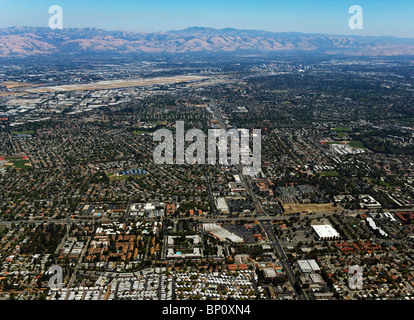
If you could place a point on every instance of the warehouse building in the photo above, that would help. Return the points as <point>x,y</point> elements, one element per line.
<point>307,266</point>
<point>225,235</point>
<point>326,232</point>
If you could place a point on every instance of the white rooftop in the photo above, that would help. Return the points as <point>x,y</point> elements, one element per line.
<point>325,231</point>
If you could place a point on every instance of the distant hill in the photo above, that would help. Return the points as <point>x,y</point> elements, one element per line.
<point>29,41</point>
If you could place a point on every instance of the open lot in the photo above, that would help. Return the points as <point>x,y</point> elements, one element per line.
<point>312,207</point>
<point>15,84</point>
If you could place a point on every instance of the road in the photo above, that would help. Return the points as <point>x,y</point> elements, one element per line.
<point>266,225</point>
<point>245,180</point>
<point>210,192</point>
<point>73,277</point>
<point>268,229</point>
<point>265,217</point>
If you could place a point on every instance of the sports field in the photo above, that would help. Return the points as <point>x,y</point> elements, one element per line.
<point>18,162</point>
<point>356,144</point>
<point>342,129</point>
<point>113,177</point>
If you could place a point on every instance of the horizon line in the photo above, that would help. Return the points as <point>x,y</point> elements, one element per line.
<point>212,28</point>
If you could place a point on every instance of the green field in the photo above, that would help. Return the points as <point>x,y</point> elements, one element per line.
<point>329,174</point>
<point>17,162</point>
<point>138,132</point>
<point>113,177</point>
<point>342,129</point>
<point>158,123</point>
<point>29,132</point>
<point>356,144</point>
<point>342,134</point>
<point>20,164</point>
<point>381,182</point>
<point>150,130</point>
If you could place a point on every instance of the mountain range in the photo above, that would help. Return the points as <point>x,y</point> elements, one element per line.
<point>29,41</point>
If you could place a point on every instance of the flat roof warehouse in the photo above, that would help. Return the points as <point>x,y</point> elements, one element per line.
<point>326,231</point>
<point>224,234</point>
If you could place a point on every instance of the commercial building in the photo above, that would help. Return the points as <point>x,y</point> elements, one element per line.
<point>222,205</point>
<point>307,266</point>
<point>225,235</point>
<point>326,232</point>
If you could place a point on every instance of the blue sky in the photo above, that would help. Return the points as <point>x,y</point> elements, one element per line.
<point>314,16</point>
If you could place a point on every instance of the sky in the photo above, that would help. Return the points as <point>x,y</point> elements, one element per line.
<point>380,17</point>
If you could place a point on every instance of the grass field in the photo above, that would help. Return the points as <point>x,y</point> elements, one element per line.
<point>138,132</point>
<point>342,134</point>
<point>329,174</point>
<point>17,162</point>
<point>311,207</point>
<point>113,177</point>
<point>158,123</point>
<point>342,129</point>
<point>381,183</point>
<point>356,144</point>
<point>21,164</point>
<point>29,132</point>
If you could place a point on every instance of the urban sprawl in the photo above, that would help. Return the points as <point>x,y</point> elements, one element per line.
<point>80,188</point>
